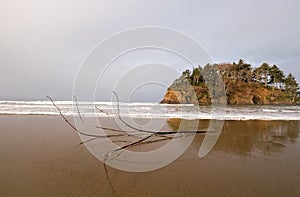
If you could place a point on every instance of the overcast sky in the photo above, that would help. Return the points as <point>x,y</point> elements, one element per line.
<point>42,43</point>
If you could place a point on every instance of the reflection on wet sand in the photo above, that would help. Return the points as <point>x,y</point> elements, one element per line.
<point>41,156</point>
<point>250,137</point>
<point>257,137</point>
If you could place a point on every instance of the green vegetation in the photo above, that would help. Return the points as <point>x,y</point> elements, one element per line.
<point>244,84</point>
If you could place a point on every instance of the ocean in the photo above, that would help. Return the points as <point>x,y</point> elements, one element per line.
<point>152,110</point>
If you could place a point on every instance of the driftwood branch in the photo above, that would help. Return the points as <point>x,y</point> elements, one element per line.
<point>164,135</point>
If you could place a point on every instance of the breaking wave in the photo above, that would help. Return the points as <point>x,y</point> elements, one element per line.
<point>152,110</point>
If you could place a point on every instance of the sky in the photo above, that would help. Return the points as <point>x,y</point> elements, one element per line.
<point>43,43</point>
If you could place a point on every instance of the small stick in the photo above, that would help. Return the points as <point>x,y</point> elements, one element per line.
<point>107,155</point>
<point>101,110</point>
<point>95,126</point>
<point>75,129</point>
<point>149,131</point>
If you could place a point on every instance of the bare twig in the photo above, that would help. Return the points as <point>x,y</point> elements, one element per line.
<point>75,129</point>
<point>114,141</point>
<point>95,126</point>
<point>109,154</point>
<point>109,181</point>
<point>149,131</point>
<point>101,110</point>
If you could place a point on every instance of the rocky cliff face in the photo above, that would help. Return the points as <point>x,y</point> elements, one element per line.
<point>237,94</point>
<point>195,96</point>
<point>255,94</point>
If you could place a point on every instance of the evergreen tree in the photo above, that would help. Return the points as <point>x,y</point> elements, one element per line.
<point>186,77</point>
<point>244,71</point>
<point>195,76</point>
<point>291,86</point>
<point>277,77</point>
<point>264,71</point>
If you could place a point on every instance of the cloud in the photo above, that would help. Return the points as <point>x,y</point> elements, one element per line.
<point>43,43</point>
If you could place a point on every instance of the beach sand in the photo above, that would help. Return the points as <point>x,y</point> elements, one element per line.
<point>41,156</point>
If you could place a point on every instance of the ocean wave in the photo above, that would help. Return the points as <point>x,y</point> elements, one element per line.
<point>152,110</point>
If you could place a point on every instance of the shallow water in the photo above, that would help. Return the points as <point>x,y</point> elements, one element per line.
<point>41,155</point>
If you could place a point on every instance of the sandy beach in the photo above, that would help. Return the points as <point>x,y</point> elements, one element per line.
<point>41,156</point>
<point>149,98</point>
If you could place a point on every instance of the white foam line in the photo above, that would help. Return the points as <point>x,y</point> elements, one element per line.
<point>191,117</point>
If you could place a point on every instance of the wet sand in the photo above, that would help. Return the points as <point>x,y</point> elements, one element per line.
<point>41,156</point>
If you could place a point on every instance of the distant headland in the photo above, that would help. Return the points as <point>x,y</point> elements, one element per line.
<point>244,85</point>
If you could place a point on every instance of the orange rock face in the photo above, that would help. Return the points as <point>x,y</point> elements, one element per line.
<point>237,94</point>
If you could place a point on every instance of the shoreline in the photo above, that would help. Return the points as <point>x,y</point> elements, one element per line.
<point>205,119</point>
<point>143,118</point>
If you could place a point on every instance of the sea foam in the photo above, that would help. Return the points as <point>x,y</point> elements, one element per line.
<point>151,110</point>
